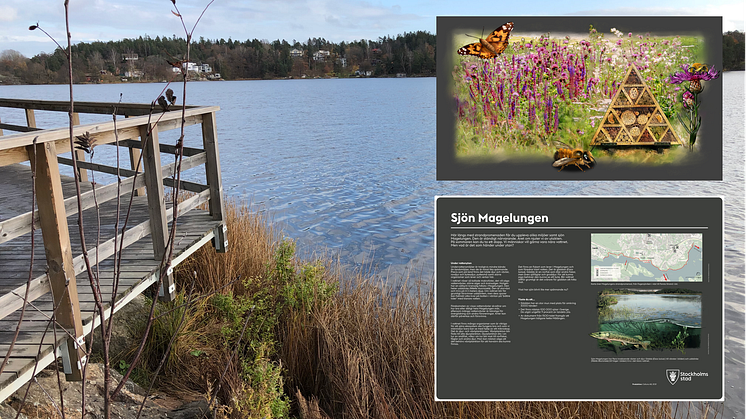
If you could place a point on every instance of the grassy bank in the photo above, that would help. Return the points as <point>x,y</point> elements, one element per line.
<point>272,336</point>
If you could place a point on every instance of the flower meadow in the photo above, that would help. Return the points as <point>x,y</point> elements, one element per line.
<point>542,90</point>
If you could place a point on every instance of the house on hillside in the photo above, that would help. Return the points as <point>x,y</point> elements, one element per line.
<point>296,53</point>
<point>190,66</point>
<point>321,55</point>
<point>194,68</point>
<point>133,73</point>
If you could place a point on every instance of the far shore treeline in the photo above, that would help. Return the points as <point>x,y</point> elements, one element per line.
<point>152,59</point>
<point>157,59</point>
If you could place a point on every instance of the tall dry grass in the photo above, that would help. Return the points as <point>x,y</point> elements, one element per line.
<point>366,351</point>
<point>252,242</point>
<point>370,354</point>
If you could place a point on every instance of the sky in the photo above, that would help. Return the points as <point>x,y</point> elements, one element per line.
<point>333,20</point>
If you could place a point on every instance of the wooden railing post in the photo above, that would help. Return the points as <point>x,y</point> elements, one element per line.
<point>214,181</point>
<point>53,222</point>
<point>80,154</point>
<point>156,202</point>
<point>134,159</point>
<point>30,118</point>
<point>1,131</point>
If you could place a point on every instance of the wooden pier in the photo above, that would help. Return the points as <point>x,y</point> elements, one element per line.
<point>55,283</point>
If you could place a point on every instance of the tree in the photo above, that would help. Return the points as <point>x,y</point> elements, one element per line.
<point>733,50</point>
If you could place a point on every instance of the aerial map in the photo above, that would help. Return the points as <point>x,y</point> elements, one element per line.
<point>649,257</point>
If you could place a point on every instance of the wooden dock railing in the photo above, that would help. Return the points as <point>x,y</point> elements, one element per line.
<point>63,254</point>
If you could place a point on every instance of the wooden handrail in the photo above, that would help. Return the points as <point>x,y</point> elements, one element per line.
<point>106,108</point>
<point>165,148</point>
<point>103,133</point>
<point>21,224</point>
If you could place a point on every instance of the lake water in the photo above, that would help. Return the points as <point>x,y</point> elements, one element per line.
<point>684,310</point>
<point>349,165</point>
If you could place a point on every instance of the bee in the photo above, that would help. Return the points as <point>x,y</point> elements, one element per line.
<point>566,156</point>
<point>698,68</point>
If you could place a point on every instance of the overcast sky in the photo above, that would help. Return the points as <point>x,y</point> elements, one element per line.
<point>334,20</point>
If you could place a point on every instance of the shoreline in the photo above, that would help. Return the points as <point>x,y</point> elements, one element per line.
<point>238,79</point>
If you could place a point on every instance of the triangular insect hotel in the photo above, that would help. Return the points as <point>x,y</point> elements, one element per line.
<point>634,117</point>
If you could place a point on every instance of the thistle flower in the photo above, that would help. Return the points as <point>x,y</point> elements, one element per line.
<point>688,99</point>
<point>694,74</point>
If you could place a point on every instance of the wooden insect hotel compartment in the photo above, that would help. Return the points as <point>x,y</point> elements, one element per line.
<point>634,118</point>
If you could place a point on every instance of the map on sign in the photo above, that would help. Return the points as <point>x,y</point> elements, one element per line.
<point>646,257</point>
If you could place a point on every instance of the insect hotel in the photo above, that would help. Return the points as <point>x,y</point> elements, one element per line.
<point>47,297</point>
<point>634,119</point>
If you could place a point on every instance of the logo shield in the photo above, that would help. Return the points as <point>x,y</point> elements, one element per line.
<point>672,376</point>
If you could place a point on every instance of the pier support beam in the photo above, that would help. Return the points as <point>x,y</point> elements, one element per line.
<point>156,202</point>
<point>214,181</point>
<point>61,271</point>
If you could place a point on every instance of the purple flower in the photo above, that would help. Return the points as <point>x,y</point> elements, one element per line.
<point>694,74</point>
<point>688,99</point>
<point>695,71</point>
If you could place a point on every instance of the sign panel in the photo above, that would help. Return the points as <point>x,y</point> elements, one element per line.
<point>579,298</point>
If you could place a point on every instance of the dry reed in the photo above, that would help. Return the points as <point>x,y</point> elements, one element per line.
<point>252,241</point>
<point>365,352</point>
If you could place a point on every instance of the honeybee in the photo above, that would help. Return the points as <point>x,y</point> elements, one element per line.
<point>566,156</point>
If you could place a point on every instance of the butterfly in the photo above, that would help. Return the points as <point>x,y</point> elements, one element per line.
<point>491,47</point>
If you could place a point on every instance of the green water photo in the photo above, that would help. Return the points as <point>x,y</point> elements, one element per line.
<point>648,321</point>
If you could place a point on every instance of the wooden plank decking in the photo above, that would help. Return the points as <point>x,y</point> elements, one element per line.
<point>36,280</point>
<point>139,268</point>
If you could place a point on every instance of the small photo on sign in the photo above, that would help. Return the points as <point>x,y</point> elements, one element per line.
<point>581,98</point>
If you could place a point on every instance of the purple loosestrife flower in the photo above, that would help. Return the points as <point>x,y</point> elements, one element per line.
<point>556,119</point>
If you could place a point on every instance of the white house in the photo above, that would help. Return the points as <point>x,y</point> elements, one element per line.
<point>190,66</point>
<point>295,52</point>
<point>320,55</point>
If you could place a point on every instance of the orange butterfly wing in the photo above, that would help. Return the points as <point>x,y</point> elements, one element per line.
<point>476,49</point>
<point>495,43</point>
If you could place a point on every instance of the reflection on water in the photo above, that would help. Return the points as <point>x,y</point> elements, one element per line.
<point>683,309</point>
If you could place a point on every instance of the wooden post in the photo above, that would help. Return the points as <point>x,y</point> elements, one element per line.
<point>80,154</point>
<point>53,222</point>
<point>214,181</point>
<point>134,158</point>
<point>1,131</point>
<point>156,202</point>
<point>30,118</point>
